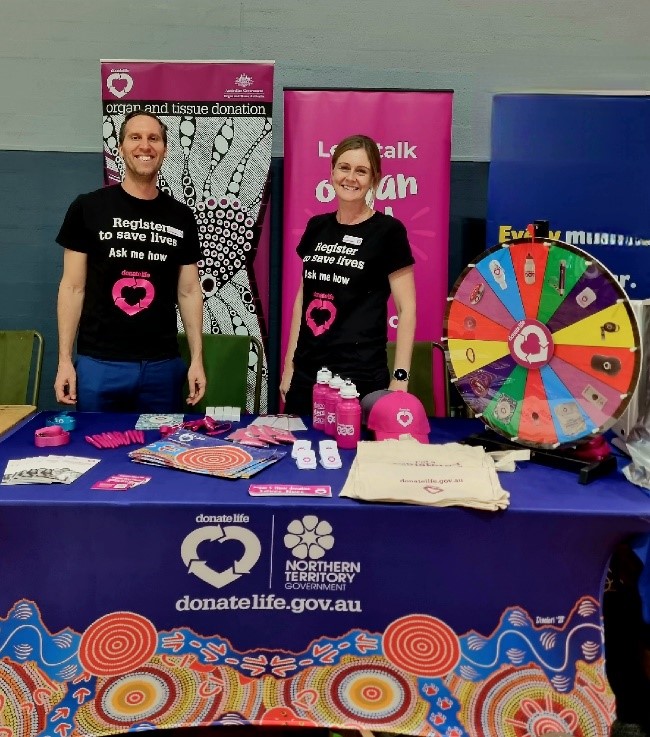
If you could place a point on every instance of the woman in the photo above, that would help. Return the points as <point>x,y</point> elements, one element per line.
<point>353,259</point>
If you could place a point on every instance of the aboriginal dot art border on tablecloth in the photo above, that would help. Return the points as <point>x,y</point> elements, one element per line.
<point>416,677</point>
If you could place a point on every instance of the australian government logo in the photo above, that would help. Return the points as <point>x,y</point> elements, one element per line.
<point>311,541</point>
<point>244,81</point>
<point>244,87</point>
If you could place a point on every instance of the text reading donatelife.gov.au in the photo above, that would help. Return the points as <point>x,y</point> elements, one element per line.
<point>267,602</point>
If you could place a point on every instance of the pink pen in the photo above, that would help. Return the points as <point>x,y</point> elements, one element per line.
<point>100,441</point>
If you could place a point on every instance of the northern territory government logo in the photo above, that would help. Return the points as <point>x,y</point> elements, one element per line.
<point>309,541</point>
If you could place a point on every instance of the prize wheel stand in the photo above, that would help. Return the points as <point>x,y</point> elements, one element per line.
<point>543,346</point>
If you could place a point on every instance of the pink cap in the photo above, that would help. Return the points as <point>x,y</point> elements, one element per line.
<point>398,413</point>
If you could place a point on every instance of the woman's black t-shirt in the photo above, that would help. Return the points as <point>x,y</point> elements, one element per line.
<point>345,292</point>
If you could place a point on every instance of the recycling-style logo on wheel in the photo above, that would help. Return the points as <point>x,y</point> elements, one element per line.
<point>531,344</point>
<point>217,533</point>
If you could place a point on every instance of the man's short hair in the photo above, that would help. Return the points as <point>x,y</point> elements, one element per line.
<point>134,114</point>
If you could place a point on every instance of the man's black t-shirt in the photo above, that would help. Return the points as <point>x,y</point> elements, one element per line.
<point>135,249</point>
<point>345,291</point>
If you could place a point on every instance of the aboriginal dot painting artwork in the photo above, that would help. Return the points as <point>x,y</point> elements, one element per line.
<point>542,343</point>
<point>417,676</point>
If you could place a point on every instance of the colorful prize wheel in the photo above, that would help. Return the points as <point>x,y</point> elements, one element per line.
<point>542,342</point>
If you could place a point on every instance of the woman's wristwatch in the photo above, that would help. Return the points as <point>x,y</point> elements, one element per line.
<point>400,374</point>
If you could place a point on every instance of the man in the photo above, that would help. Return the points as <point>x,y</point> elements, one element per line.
<point>130,256</point>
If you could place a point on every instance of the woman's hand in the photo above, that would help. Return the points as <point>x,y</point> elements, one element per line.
<point>285,382</point>
<point>296,318</point>
<point>398,386</point>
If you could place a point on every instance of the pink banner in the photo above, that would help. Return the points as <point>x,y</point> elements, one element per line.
<point>218,118</point>
<point>413,130</point>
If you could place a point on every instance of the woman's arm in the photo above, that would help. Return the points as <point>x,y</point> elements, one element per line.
<point>402,288</point>
<point>296,317</point>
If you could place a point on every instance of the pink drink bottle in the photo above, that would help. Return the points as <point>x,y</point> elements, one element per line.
<point>348,417</point>
<point>331,400</point>
<point>320,392</point>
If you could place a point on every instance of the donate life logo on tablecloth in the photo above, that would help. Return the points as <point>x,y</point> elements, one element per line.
<point>252,550</point>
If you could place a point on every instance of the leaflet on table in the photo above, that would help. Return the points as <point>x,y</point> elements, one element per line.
<point>261,436</point>
<point>51,469</point>
<point>120,482</point>
<point>283,422</point>
<point>288,490</point>
<point>190,451</point>
<point>154,422</point>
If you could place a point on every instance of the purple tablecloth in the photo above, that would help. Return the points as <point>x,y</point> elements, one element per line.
<point>187,601</point>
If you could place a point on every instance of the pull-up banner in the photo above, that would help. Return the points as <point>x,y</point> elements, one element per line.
<point>580,161</point>
<point>218,116</point>
<point>413,131</point>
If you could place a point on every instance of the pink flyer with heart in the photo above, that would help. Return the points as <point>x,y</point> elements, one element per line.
<point>288,490</point>
<point>120,482</point>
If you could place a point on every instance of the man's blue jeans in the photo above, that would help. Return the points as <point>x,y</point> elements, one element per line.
<point>130,386</point>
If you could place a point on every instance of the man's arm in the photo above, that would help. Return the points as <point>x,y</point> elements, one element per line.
<point>190,304</point>
<point>70,301</point>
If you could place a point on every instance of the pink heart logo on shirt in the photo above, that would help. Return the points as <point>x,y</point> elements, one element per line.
<point>133,295</point>
<point>320,315</point>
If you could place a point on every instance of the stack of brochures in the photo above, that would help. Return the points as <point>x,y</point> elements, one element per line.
<point>46,470</point>
<point>190,451</point>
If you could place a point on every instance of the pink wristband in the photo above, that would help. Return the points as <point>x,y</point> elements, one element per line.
<point>50,436</point>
